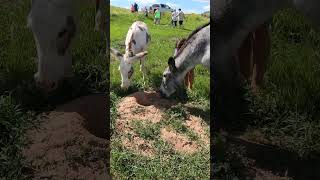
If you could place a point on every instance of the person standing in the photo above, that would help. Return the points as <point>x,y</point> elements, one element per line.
<point>180,17</point>
<point>174,18</point>
<point>136,7</point>
<point>157,16</point>
<point>146,11</point>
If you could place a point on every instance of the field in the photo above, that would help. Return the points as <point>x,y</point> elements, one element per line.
<point>143,150</point>
<point>286,113</point>
<point>20,100</point>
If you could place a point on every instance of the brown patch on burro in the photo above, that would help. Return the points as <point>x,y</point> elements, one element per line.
<point>63,148</point>
<point>149,107</point>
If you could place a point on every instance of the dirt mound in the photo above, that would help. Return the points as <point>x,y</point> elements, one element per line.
<point>149,107</point>
<point>69,143</point>
<point>143,106</point>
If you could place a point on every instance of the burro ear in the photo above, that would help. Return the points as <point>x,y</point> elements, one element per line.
<point>116,53</point>
<point>172,64</point>
<point>137,56</point>
<point>141,54</point>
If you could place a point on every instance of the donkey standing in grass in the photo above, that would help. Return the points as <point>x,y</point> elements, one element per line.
<point>54,24</point>
<point>233,21</point>
<point>137,41</point>
<point>195,50</point>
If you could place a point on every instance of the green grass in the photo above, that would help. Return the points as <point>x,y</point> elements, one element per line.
<point>13,122</point>
<point>166,163</point>
<point>230,161</point>
<point>161,48</point>
<point>146,131</point>
<point>19,96</point>
<point>289,110</point>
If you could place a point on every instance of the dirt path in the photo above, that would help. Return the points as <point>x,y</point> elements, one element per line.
<point>70,142</point>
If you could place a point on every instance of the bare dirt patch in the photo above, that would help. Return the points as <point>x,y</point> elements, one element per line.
<point>149,107</point>
<point>70,142</point>
<point>145,106</point>
<point>138,144</point>
<point>196,125</point>
<point>179,142</point>
<point>267,175</point>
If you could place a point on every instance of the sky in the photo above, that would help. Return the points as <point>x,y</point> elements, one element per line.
<point>187,6</point>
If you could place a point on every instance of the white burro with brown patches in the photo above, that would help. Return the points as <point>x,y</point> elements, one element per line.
<point>136,43</point>
<point>53,23</point>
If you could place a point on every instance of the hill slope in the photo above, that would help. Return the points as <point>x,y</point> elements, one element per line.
<point>147,140</point>
<point>163,38</point>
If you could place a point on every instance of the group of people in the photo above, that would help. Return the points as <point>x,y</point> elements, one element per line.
<point>134,7</point>
<point>177,17</point>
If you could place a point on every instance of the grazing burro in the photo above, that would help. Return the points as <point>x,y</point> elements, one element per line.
<point>54,25</point>
<point>137,41</point>
<point>195,50</point>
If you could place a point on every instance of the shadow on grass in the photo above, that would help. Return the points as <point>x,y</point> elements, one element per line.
<point>85,81</point>
<point>279,161</point>
<point>93,109</point>
<point>270,157</point>
<point>32,98</point>
<point>204,114</point>
<point>241,116</point>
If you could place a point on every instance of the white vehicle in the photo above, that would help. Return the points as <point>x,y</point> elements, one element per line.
<point>162,7</point>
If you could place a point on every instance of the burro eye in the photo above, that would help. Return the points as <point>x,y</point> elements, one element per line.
<point>130,72</point>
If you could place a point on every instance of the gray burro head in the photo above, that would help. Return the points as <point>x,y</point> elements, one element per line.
<point>170,81</point>
<point>194,50</point>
